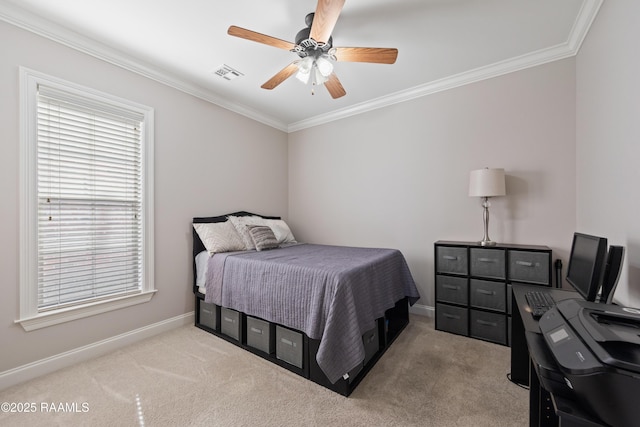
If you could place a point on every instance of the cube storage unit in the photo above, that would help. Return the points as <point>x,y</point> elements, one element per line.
<point>292,349</point>
<point>473,285</point>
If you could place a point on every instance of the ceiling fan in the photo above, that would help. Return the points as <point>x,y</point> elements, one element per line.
<point>314,46</point>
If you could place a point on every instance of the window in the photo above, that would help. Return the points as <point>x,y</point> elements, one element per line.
<point>87,209</point>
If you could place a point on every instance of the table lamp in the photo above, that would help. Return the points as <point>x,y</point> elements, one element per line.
<point>486,183</point>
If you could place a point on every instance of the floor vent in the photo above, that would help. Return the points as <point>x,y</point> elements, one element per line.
<point>227,72</point>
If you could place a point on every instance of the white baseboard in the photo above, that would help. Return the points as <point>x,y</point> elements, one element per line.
<point>423,310</point>
<point>50,364</point>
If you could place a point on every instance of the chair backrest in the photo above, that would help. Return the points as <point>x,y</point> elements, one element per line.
<point>612,273</point>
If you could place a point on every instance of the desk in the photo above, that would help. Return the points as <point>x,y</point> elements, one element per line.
<point>531,361</point>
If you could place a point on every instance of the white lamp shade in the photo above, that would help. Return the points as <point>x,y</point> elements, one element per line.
<point>487,183</point>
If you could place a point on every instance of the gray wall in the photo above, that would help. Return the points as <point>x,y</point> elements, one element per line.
<point>208,161</point>
<point>398,176</point>
<point>608,136</point>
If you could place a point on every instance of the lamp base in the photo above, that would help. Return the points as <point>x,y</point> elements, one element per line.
<point>485,217</point>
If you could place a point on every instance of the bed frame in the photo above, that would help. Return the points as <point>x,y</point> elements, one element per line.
<point>388,329</point>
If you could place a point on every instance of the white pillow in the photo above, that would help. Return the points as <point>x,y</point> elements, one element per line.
<point>219,237</point>
<point>241,223</point>
<point>202,265</point>
<point>281,230</point>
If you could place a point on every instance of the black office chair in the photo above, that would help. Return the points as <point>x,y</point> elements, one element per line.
<point>612,273</point>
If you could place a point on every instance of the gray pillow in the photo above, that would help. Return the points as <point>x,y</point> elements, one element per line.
<point>263,237</point>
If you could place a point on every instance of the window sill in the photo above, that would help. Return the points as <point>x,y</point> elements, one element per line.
<point>56,317</point>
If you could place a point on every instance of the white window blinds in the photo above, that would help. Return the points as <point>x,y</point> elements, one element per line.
<point>89,190</point>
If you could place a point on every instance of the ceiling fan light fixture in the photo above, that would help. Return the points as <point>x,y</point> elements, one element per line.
<point>303,77</point>
<point>324,66</point>
<point>319,68</point>
<point>318,77</point>
<point>305,67</point>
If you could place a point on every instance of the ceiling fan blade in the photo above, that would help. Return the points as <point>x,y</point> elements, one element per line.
<point>280,76</point>
<point>326,15</point>
<point>243,33</point>
<point>334,86</point>
<point>378,55</point>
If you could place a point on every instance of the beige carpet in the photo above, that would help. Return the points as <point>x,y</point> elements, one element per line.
<point>188,377</point>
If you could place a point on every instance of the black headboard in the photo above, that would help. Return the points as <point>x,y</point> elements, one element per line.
<point>198,246</point>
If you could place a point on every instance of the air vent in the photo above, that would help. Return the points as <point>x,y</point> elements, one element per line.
<point>227,72</point>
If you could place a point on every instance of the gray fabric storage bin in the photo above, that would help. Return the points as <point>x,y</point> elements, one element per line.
<point>289,346</point>
<point>452,289</point>
<point>230,323</point>
<point>488,263</point>
<point>259,335</point>
<point>208,315</point>
<point>530,267</point>
<point>489,295</point>
<point>451,260</point>
<point>371,341</point>
<point>452,319</point>
<point>488,326</point>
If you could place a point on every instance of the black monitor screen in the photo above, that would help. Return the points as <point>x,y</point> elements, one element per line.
<point>587,264</point>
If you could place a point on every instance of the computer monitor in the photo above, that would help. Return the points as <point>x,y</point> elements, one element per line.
<point>587,264</point>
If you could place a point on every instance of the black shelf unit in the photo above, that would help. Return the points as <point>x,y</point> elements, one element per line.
<point>473,285</point>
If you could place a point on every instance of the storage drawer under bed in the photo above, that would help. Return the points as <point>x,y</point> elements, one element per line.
<point>208,315</point>
<point>289,346</point>
<point>260,334</point>
<point>371,343</point>
<point>231,323</point>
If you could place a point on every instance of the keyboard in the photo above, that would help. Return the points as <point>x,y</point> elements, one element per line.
<point>540,302</point>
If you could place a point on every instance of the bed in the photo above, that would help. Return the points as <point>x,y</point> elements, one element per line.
<point>324,312</point>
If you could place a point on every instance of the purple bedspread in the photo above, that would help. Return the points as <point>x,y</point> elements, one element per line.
<point>331,293</point>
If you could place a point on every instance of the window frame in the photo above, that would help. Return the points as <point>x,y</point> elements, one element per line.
<point>29,317</point>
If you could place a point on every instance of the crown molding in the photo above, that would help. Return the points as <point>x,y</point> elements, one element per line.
<point>42,27</point>
<point>580,28</point>
<point>482,73</point>
<point>585,18</point>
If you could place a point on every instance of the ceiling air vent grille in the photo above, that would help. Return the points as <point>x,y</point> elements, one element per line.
<point>227,72</point>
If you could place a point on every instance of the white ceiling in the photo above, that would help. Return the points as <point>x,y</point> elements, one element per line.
<point>441,43</point>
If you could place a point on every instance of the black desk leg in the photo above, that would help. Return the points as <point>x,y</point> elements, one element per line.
<point>519,351</point>
<point>541,411</point>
